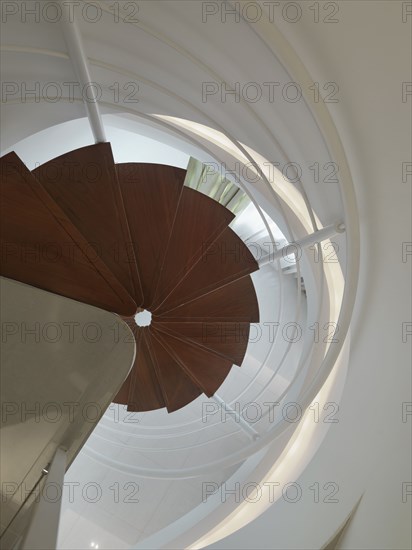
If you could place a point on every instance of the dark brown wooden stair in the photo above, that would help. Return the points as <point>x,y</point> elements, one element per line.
<point>234,302</point>
<point>160,246</point>
<point>205,369</point>
<point>84,184</point>
<point>151,194</point>
<point>145,392</point>
<point>225,260</point>
<point>199,221</point>
<point>177,387</point>
<point>41,246</point>
<point>229,340</point>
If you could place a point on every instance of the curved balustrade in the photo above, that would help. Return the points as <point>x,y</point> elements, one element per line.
<point>275,386</point>
<point>203,438</point>
<point>283,363</point>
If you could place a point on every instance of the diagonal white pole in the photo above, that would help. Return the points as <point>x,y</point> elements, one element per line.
<point>309,240</point>
<point>80,64</point>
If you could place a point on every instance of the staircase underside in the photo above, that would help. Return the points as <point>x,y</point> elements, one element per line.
<point>128,237</point>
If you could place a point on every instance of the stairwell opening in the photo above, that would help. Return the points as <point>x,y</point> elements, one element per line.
<point>143,318</point>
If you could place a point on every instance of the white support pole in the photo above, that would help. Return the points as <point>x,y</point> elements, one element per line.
<point>44,524</point>
<point>236,417</point>
<point>79,60</point>
<point>311,239</point>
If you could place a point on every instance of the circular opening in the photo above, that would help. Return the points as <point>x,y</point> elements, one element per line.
<point>143,318</point>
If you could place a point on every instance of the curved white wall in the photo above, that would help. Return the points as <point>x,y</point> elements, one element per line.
<point>171,52</point>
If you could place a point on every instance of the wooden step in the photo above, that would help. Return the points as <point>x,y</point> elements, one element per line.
<point>151,194</point>
<point>225,260</point>
<point>177,388</point>
<point>122,395</point>
<point>234,302</point>
<point>205,369</point>
<point>200,220</point>
<point>43,248</point>
<point>84,184</point>
<point>228,340</point>
<point>145,392</point>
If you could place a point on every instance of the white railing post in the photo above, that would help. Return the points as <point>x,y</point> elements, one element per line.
<point>80,64</point>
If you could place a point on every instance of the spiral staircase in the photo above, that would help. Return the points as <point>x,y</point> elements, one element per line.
<point>280,153</point>
<point>132,237</point>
